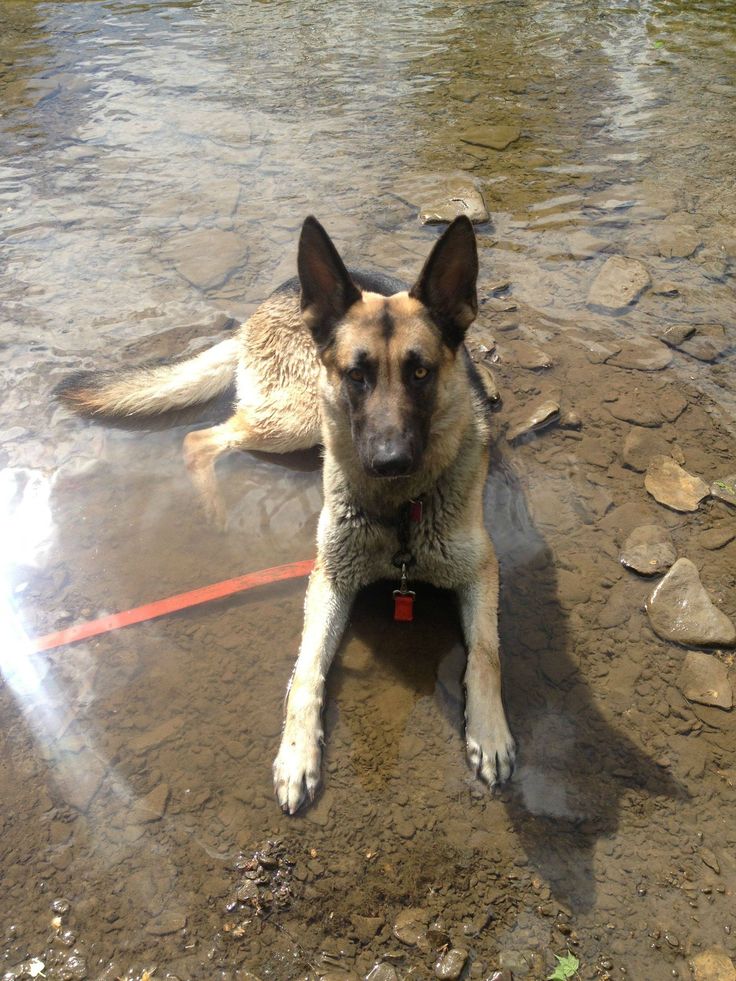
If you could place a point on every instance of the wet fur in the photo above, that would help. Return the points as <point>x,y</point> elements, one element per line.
<point>291,364</point>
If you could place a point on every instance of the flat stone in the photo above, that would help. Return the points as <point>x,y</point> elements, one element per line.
<point>707,343</point>
<point>704,679</point>
<point>680,609</point>
<point>449,965</point>
<point>410,926</point>
<point>152,807</point>
<point>526,355</point>
<point>675,241</point>
<point>649,410</point>
<point>725,489</point>
<point>644,356</point>
<point>366,927</point>
<point>207,257</point>
<point>666,288</point>
<point>675,334</point>
<point>672,486</point>
<point>542,415</point>
<point>619,283</point>
<point>713,964</point>
<point>648,550</point>
<point>382,972</point>
<point>642,445</point>
<point>453,199</point>
<point>715,538</point>
<point>493,137</point>
<point>78,776</point>
<point>166,923</point>
<point>154,737</point>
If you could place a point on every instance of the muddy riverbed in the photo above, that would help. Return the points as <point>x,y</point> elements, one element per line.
<point>157,162</point>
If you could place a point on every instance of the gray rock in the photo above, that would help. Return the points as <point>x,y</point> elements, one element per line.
<point>642,356</point>
<point>453,199</point>
<point>166,923</point>
<point>672,486</point>
<point>648,550</point>
<point>675,334</point>
<point>680,609</point>
<point>715,538</point>
<point>707,343</point>
<point>704,679</point>
<point>382,972</point>
<point>410,926</point>
<point>619,283</point>
<point>642,445</point>
<point>713,964</point>
<point>449,965</point>
<point>493,137</point>
<point>725,489</point>
<point>542,415</point>
<point>526,355</point>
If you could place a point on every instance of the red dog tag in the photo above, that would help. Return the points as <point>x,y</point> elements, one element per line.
<point>416,510</point>
<point>403,606</point>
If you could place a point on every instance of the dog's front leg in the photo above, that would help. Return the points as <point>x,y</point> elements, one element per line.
<point>489,743</point>
<point>296,770</point>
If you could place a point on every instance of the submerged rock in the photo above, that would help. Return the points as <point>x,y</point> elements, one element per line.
<point>681,610</point>
<point>526,355</point>
<point>455,198</point>
<point>493,137</point>
<point>674,487</point>
<point>648,410</point>
<point>648,550</point>
<point>725,489</point>
<point>542,415</point>
<point>410,926</point>
<point>675,334</point>
<point>715,538</point>
<point>713,964</point>
<point>646,356</point>
<point>707,342</point>
<point>642,445</point>
<point>450,964</point>
<point>704,679</point>
<point>620,283</point>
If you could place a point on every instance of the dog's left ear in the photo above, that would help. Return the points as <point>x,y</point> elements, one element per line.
<point>327,289</point>
<point>446,284</point>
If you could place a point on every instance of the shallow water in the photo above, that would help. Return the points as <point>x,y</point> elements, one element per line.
<point>157,161</point>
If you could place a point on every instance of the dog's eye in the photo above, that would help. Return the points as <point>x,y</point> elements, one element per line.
<point>420,373</point>
<point>356,375</point>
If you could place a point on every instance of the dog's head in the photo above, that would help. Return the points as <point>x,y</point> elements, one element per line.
<point>390,359</point>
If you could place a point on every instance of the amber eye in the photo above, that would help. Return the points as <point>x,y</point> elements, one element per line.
<point>420,373</point>
<point>356,375</point>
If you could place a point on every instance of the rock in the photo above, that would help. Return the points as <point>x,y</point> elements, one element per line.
<point>704,679</point>
<point>366,927</point>
<point>207,257</point>
<point>725,489</point>
<point>247,893</point>
<point>648,550</point>
<point>570,420</point>
<point>493,137</point>
<point>453,199</point>
<point>675,241</point>
<point>410,926</point>
<point>78,777</point>
<point>154,737</point>
<point>672,486</point>
<point>666,288</point>
<point>619,283</point>
<point>713,964</point>
<point>504,975</point>
<point>450,964</point>
<point>382,972</point>
<point>542,415</point>
<point>153,806</point>
<point>707,343</point>
<point>648,356</point>
<point>715,538</point>
<point>709,858</point>
<point>675,334</point>
<point>169,922</point>
<point>525,355</point>
<point>681,610</point>
<point>641,445</point>
<point>648,410</point>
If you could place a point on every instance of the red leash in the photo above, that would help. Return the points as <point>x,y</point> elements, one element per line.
<point>159,608</point>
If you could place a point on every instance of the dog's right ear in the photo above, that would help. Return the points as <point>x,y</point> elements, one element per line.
<point>327,289</point>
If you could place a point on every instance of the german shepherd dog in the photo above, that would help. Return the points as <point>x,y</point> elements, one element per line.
<point>380,376</point>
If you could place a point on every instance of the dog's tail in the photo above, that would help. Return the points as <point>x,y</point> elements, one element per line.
<point>151,390</point>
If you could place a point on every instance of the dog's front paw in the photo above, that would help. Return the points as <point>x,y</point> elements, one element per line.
<point>491,750</point>
<point>296,772</point>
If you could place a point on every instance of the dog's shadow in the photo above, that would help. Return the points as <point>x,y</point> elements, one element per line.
<point>573,766</point>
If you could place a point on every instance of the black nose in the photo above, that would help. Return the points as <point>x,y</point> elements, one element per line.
<point>391,460</point>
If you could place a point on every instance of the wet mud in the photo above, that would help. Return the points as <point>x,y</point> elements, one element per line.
<point>157,163</point>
